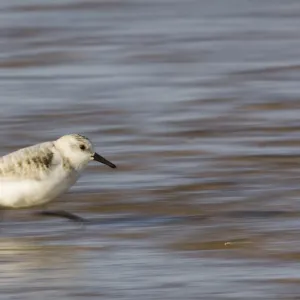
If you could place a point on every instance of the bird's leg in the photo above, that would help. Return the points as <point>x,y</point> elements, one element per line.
<point>1,214</point>
<point>62,214</point>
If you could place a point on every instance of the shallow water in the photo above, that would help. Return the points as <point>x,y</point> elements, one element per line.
<point>197,102</point>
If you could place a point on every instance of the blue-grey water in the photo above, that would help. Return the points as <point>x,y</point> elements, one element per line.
<point>198,103</point>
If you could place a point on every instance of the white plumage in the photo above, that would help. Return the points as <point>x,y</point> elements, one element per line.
<point>38,174</point>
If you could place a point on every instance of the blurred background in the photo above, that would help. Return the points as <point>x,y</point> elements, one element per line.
<point>197,102</point>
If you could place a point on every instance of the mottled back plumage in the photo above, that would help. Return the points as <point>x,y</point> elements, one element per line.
<point>30,163</point>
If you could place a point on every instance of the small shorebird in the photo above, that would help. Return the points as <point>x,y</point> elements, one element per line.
<point>35,175</point>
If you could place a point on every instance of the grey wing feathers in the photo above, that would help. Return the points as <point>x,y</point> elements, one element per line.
<point>28,163</point>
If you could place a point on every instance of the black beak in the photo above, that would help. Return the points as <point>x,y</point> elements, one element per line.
<point>101,159</point>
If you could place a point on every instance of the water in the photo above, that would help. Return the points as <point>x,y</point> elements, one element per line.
<point>197,102</point>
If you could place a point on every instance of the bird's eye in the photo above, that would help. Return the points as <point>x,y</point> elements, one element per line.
<point>82,147</point>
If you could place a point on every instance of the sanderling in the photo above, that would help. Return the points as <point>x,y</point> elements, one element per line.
<point>35,175</point>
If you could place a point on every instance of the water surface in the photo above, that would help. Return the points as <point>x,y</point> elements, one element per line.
<point>197,102</point>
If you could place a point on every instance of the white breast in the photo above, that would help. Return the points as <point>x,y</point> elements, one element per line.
<point>30,192</point>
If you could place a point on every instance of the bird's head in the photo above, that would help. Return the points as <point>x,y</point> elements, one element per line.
<point>79,151</point>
